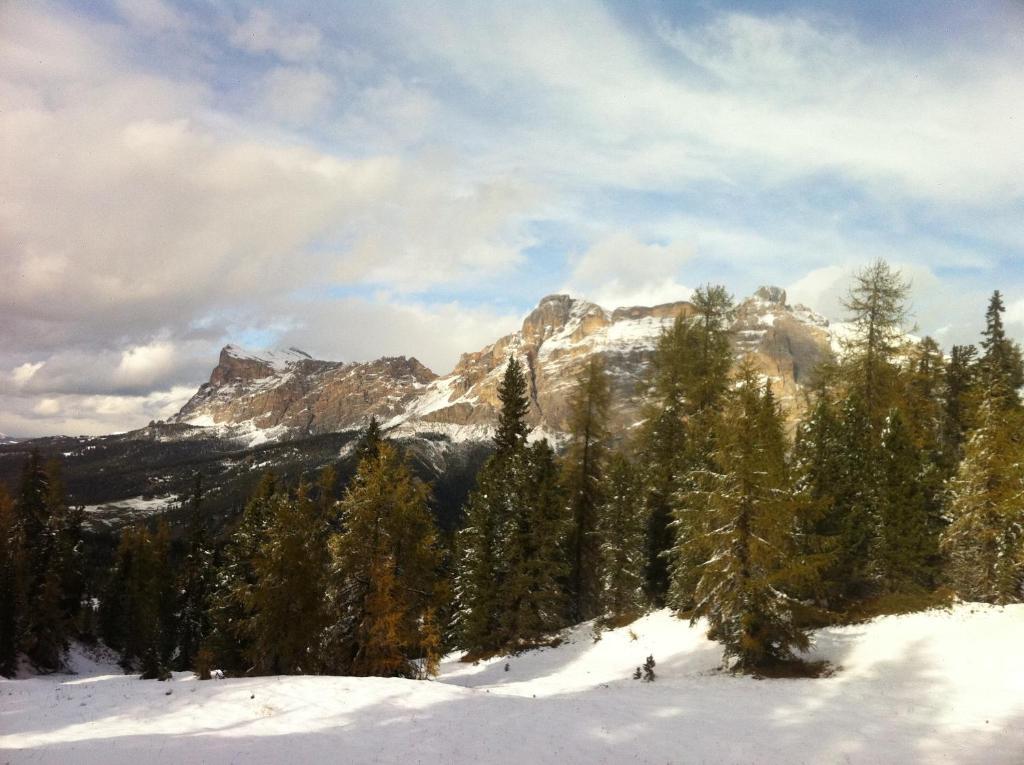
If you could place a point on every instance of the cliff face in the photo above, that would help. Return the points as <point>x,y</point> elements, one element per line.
<point>287,394</point>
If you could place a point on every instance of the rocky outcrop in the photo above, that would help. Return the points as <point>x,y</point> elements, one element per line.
<point>287,394</point>
<point>269,396</point>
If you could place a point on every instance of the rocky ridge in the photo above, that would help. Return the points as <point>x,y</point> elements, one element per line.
<point>283,395</point>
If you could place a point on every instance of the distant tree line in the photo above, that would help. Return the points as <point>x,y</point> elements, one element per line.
<point>904,480</point>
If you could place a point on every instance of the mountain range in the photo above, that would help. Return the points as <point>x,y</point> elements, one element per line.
<point>256,397</point>
<point>286,411</point>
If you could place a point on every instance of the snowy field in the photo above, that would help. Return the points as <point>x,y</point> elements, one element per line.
<point>944,687</point>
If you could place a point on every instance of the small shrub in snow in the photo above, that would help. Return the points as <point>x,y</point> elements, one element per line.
<point>649,670</point>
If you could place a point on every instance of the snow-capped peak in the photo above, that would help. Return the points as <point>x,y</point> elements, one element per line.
<point>278,358</point>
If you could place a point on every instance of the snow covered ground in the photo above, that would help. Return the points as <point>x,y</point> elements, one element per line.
<point>943,687</point>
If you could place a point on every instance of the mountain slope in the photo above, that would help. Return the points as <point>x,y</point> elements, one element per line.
<point>940,686</point>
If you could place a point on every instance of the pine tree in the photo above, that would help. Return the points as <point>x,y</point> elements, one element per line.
<point>752,511</point>
<point>584,463</point>
<point>508,582</point>
<point>855,504</point>
<point>231,638</point>
<point>690,374</point>
<point>515,404</point>
<point>621,530</point>
<point>961,377</point>
<point>906,544</point>
<point>50,579</point>
<point>481,569</point>
<point>482,543</point>
<point>381,588</point>
<point>924,398</point>
<point>878,311</point>
<point>1001,359</point>
<point>10,608</point>
<point>131,604</point>
<point>984,541</point>
<point>196,585</point>
<point>369,441</point>
<point>285,610</point>
<point>712,358</point>
<point>531,601</point>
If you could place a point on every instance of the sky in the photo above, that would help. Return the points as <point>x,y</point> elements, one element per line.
<point>366,179</point>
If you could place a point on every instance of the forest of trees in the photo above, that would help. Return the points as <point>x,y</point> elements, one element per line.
<point>902,485</point>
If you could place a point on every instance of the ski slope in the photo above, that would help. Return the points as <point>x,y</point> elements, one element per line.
<point>936,687</point>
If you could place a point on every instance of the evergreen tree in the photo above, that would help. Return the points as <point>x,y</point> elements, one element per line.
<point>622,531</point>
<point>508,582</point>
<point>584,462</point>
<point>984,541</point>
<point>196,584</point>
<point>11,609</point>
<point>369,441</point>
<point>924,398</point>
<point>130,607</point>
<point>50,579</point>
<point>515,404</point>
<point>481,566</point>
<point>907,539</point>
<point>961,374</point>
<point>531,601</point>
<point>855,504</point>
<point>231,638</point>
<point>711,357</point>
<point>690,374</point>
<point>877,306</point>
<point>752,511</point>
<point>483,542</point>
<point>285,610</point>
<point>382,581</point>
<point>1001,359</point>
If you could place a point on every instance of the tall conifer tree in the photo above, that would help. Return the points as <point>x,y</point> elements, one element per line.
<point>532,600</point>
<point>11,609</point>
<point>984,541</point>
<point>906,542</point>
<point>877,306</point>
<point>383,571</point>
<point>691,373</point>
<point>752,512</point>
<point>287,613</point>
<point>584,462</point>
<point>622,527</point>
<point>234,596</point>
<point>196,584</point>
<point>1001,359</point>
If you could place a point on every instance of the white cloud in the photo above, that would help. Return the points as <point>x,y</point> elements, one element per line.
<point>88,414</point>
<point>146,364</point>
<point>436,229</point>
<point>822,289</point>
<point>296,94</point>
<point>1015,313</point>
<point>359,329</point>
<point>152,15</point>
<point>748,99</point>
<point>261,32</point>
<point>619,270</point>
<point>47,407</point>
<point>22,373</point>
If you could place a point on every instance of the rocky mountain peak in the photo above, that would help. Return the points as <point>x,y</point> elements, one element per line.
<point>287,394</point>
<point>236,364</point>
<point>555,313</point>
<point>770,294</point>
